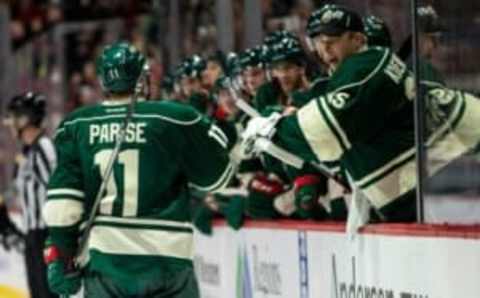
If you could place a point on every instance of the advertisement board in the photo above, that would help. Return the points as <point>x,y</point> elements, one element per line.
<point>271,267</point>
<point>315,261</point>
<point>251,263</point>
<point>393,266</point>
<point>216,262</point>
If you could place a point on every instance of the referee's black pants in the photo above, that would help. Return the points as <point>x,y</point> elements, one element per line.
<point>35,266</point>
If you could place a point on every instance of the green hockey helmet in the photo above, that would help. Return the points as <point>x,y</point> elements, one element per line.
<point>119,67</point>
<point>232,64</point>
<point>191,67</point>
<point>168,82</point>
<point>277,36</point>
<point>284,47</point>
<point>428,20</point>
<point>221,83</point>
<point>195,66</point>
<point>251,58</point>
<point>180,70</point>
<point>333,20</point>
<point>377,32</point>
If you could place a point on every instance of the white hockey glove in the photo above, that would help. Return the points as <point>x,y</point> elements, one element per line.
<point>257,129</point>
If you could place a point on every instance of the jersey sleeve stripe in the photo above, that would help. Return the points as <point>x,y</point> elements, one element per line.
<point>402,179</point>
<point>219,133</point>
<point>221,183</point>
<point>332,121</point>
<point>66,192</point>
<point>72,211</point>
<point>142,222</point>
<point>407,155</point>
<point>219,136</point>
<point>318,134</point>
<point>445,145</point>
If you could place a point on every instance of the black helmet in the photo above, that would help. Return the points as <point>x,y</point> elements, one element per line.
<point>429,21</point>
<point>30,104</point>
<point>333,20</point>
<point>377,32</point>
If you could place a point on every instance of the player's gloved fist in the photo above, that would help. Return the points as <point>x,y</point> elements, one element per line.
<point>258,128</point>
<point>62,277</point>
<point>265,185</point>
<point>306,194</point>
<point>262,192</point>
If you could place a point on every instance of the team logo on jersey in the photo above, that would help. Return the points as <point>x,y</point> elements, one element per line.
<point>444,96</point>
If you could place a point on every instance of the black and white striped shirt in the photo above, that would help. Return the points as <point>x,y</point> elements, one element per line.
<point>33,171</point>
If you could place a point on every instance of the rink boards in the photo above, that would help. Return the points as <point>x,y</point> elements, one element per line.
<point>291,259</point>
<point>310,260</point>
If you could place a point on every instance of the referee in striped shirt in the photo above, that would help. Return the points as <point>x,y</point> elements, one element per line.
<point>25,114</point>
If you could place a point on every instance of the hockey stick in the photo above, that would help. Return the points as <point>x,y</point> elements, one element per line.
<point>279,153</point>
<point>109,170</point>
<point>82,244</point>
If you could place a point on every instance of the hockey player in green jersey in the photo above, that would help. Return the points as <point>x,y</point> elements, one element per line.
<point>253,70</point>
<point>364,120</point>
<point>430,30</point>
<point>214,69</point>
<point>286,62</point>
<point>141,242</point>
<point>189,73</point>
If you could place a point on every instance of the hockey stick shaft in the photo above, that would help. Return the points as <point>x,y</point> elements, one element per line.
<point>108,170</point>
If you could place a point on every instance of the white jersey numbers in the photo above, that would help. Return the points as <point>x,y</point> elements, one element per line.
<point>130,172</point>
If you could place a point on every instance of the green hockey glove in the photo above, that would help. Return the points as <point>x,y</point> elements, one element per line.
<point>306,197</point>
<point>61,275</point>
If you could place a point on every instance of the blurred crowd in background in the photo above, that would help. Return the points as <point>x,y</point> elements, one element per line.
<point>143,21</point>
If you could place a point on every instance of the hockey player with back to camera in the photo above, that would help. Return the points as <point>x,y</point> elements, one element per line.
<point>140,243</point>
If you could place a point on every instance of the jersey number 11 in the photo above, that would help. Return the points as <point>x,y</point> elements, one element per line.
<point>130,161</point>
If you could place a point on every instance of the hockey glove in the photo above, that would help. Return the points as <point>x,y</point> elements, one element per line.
<point>61,274</point>
<point>262,192</point>
<point>202,219</point>
<point>234,211</point>
<point>306,197</point>
<point>258,128</point>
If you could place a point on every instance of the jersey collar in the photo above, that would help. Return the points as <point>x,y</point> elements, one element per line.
<point>120,101</point>
<point>116,102</point>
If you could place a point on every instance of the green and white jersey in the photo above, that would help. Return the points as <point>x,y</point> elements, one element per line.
<point>143,216</point>
<point>364,120</point>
